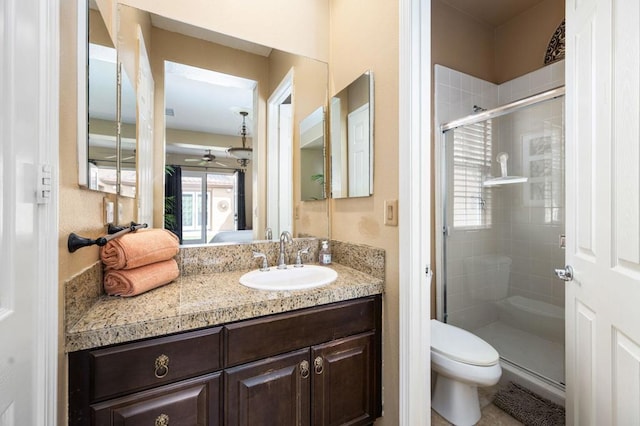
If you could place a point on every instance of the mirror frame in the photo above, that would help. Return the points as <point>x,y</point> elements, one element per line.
<point>335,142</point>
<point>82,74</point>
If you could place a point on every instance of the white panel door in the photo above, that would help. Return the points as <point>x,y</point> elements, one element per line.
<point>603,212</point>
<point>359,151</point>
<point>28,206</point>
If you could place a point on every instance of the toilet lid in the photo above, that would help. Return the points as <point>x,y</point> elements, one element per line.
<point>461,345</point>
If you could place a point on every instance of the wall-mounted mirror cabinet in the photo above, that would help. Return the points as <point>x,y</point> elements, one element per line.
<point>106,158</point>
<point>99,141</point>
<point>351,135</point>
<point>312,156</point>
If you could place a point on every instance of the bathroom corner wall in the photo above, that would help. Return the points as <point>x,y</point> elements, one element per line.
<point>521,43</point>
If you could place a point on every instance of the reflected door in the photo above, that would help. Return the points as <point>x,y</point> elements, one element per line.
<point>280,158</point>
<point>358,141</point>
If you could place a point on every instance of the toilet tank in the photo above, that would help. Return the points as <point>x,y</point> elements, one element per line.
<point>487,276</point>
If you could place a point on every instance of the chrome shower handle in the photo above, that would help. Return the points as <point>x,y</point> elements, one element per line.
<point>565,274</point>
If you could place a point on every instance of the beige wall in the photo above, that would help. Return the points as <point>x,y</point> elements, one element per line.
<point>522,42</point>
<point>80,211</point>
<point>461,42</point>
<point>288,25</point>
<point>310,79</point>
<point>364,36</point>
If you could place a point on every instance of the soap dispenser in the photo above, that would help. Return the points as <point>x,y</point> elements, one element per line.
<point>324,257</point>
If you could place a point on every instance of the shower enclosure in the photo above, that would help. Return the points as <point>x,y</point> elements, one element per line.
<point>502,186</point>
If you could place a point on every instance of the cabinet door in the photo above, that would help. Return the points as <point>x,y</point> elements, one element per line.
<point>194,402</point>
<point>273,391</point>
<point>344,381</point>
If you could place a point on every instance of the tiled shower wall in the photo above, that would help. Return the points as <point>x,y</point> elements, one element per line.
<point>522,231</point>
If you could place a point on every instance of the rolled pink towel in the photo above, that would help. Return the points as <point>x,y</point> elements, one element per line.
<point>131,282</point>
<point>135,249</point>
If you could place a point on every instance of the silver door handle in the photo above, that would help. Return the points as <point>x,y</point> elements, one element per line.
<point>565,274</point>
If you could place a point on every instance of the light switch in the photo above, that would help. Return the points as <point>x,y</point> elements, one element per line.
<point>108,211</point>
<point>391,212</point>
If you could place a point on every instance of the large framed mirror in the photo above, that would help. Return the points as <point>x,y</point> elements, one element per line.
<point>351,134</point>
<point>179,145</point>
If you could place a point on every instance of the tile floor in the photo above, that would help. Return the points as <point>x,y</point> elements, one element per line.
<point>491,415</point>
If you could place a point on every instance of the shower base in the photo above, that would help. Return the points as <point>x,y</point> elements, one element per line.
<point>528,359</point>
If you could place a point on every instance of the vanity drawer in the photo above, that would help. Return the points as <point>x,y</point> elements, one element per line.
<point>135,366</point>
<point>192,402</point>
<point>263,337</point>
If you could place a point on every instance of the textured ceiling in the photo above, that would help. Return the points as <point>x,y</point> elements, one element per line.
<point>493,12</point>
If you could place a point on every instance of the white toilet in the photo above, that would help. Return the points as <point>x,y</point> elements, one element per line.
<point>462,361</point>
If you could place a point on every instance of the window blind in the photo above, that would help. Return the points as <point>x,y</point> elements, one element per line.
<point>471,166</point>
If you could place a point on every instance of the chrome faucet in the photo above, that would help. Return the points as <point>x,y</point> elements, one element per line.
<point>268,234</point>
<point>285,237</point>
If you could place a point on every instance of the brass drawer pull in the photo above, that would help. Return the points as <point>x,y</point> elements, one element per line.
<point>318,364</point>
<point>162,420</point>
<point>162,369</point>
<point>304,369</point>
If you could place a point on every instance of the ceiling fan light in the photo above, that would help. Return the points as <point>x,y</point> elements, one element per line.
<point>241,153</point>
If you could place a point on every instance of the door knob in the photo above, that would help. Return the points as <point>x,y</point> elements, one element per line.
<point>565,274</point>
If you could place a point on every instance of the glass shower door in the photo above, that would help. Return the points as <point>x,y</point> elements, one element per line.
<point>503,236</point>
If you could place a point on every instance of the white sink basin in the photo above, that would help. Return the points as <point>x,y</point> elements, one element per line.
<point>306,277</point>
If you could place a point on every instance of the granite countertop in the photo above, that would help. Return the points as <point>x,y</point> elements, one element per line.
<point>196,301</point>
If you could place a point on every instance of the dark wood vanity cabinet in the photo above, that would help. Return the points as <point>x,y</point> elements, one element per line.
<point>315,366</point>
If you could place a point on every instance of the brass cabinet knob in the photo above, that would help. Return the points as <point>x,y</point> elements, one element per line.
<point>318,365</point>
<point>162,420</point>
<point>161,366</point>
<point>304,369</point>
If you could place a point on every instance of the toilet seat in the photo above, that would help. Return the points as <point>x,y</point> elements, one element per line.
<point>461,346</point>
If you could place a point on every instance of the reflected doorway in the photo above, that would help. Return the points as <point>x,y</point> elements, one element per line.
<point>280,158</point>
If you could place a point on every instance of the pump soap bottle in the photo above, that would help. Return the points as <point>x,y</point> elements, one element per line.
<point>325,254</point>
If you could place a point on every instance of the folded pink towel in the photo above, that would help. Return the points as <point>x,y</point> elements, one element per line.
<point>131,282</point>
<point>135,249</point>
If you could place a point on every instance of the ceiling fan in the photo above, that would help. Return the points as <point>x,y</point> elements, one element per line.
<point>206,159</point>
<point>111,157</point>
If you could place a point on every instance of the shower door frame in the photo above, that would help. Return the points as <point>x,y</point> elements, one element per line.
<point>440,177</point>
